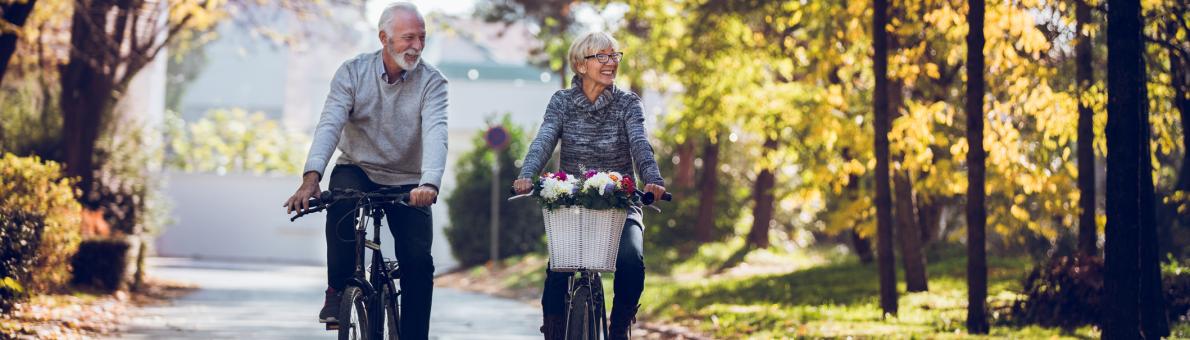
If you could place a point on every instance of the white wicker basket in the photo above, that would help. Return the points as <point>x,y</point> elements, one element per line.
<point>583,239</point>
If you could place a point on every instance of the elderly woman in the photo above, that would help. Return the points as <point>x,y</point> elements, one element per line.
<point>601,127</point>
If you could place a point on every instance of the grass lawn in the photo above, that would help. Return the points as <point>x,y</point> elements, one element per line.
<point>815,293</point>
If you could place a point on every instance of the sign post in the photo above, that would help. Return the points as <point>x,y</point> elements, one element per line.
<point>497,140</point>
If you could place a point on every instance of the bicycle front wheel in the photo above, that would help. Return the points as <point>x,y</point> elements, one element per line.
<point>390,300</point>
<point>353,315</point>
<point>578,317</point>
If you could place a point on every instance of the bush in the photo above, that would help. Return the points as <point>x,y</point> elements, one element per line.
<point>233,140</point>
<point>102,264</point>
<point>39,222</point>
<point>520,221</point>
<point>21,232</point>
<point>128,185</point>
<point>1175,276</point>
<point>1064,293</point>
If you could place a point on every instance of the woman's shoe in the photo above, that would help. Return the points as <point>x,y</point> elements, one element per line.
<point>554,327</point>
<point>621,323</point>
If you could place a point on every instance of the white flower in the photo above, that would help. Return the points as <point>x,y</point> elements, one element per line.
<point>598,182</point>
<point>554,189</point>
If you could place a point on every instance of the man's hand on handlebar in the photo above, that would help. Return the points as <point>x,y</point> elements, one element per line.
<point>300,201</point>
<point>423,195</point>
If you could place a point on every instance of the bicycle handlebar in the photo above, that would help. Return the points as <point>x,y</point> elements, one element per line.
<point>646,198</point>
<point>331,196</point>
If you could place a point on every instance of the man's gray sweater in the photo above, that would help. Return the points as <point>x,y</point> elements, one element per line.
<point>395,132</point>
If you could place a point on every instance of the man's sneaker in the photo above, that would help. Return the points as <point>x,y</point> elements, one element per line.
<point>330,307</point>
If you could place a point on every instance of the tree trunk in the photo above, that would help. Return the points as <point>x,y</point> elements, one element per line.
<point>704,228</point>
<point>15,14</point>
<point>861,245</point>
<point>684,174</point>
<point>977,269</point>
<point>762,194</point>
<point>1087,231</point>
<point>884,232</point>
<point>907,229</point>
<point>929,215</point>
<point>86,94</point>
<point>912,259</point>
<point>1134,305</point>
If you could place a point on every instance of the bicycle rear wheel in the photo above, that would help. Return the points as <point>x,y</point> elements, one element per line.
<point>578,317</point>
<point>390,300</point>
<point>353,315</point>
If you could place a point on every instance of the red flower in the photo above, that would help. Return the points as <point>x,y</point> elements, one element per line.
<point>628,184</point>
<point>561,175</point>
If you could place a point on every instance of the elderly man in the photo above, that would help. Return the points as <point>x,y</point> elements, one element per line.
<point>386,112</point>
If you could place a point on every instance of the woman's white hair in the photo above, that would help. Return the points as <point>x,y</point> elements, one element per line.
<point>589,44</point>
<point>386,17</point>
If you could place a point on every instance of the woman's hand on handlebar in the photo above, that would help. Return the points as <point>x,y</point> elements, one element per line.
<point>522,186</point>
<point>657,190</point>
<point>300,201</point>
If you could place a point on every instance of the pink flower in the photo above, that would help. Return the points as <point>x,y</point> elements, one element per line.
<point>589,173</point>
<point>560,175</point>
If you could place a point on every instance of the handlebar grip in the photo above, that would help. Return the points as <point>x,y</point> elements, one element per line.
<point>648,198</point>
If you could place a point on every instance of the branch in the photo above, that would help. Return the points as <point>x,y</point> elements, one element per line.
<point>1181,51</point>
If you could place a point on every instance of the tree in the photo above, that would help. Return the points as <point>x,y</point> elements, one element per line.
<point>1132,284</point>
<point>977,268</point>
<point>110,42</point>
<point>554,18</point>
<point>15,13</point>
<point>708,185</point>
<point>762,195</point>
<point>1087,230</point>
<point>884,232</point>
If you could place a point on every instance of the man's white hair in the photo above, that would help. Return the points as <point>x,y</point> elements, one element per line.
<point>386,17</point>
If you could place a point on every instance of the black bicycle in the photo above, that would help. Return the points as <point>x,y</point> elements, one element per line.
<point>370,308</point>
<point>586,313</point>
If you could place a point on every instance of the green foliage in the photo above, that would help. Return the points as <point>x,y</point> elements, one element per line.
<point>668,235</point>
<point>801,75</point>
<point>1175,276</point>
<point>36,200</point>
<point>469,233</point>
<point>128,185</point>
<point>30,123</point>
<point>21,232</point>
<point>233,140</point>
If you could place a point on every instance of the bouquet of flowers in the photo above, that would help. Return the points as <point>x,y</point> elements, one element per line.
<point>598,190</point>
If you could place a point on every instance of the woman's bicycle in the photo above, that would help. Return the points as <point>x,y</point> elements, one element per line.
<point>586,313</point>
<point>371,300</point>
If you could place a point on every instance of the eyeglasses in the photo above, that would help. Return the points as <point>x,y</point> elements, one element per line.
<point>604,58</point>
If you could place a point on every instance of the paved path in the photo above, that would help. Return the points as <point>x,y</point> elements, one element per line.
<point>268,301</point>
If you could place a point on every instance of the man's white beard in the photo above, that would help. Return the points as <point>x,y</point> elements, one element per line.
<point>400,59</point>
